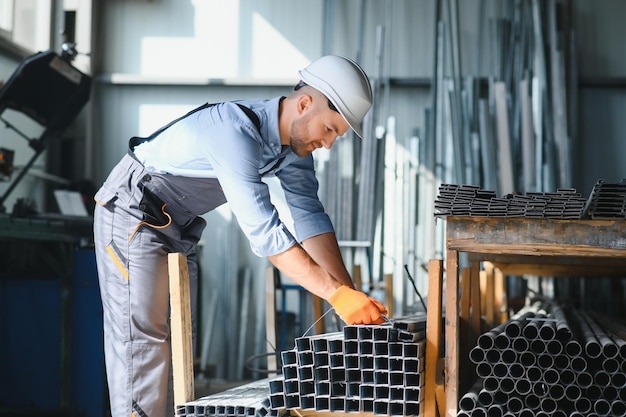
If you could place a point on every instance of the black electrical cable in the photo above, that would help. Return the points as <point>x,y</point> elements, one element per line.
<point>414,286</point>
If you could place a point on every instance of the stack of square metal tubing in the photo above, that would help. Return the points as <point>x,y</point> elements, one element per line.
<point>469,200</point>
<point>371,369</point>
<point>374,368</point>
<point>246,400</point>
<point>608,200</point>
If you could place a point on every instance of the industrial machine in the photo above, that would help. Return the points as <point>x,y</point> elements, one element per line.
<point>49,89</point>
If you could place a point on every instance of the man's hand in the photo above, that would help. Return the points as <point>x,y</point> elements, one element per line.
<point>355,307</point>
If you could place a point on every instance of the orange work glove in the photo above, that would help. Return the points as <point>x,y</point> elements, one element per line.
<point>355,307</point>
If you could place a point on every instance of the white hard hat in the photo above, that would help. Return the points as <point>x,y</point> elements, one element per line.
<point>344,83</point>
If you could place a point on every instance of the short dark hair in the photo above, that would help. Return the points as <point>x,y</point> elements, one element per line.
<point>303,84</point>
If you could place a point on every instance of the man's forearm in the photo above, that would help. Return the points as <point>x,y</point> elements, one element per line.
<point>296,263</point>
<point>324,250</point>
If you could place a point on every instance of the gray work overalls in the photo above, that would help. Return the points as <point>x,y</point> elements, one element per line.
<point>139,218</point>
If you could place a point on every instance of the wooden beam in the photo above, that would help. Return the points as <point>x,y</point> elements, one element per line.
<point>270,320</point>
<point>452,335</point>
<point>181,333</point>
<point>433,334</point>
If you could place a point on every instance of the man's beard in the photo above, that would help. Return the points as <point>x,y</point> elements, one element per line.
<point>299,144</point>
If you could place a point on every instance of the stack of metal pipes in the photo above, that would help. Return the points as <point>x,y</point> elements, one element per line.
<point>548,361</point>
<point>376,369</point>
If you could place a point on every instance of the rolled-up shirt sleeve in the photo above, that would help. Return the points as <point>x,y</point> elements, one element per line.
<point>300,186</point>
<point>235,156</point>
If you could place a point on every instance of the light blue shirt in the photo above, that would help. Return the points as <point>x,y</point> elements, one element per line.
<point>222,142</point>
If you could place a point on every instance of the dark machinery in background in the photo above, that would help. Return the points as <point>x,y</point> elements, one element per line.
<point>50,309</point>
<point>50,90</point>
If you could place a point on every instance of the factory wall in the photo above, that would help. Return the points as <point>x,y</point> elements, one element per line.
<point>154,60</point>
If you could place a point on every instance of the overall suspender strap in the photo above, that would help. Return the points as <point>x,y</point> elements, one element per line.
<point>136,140</point>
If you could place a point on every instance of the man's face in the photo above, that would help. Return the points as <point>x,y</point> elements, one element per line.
<point>317,127</point>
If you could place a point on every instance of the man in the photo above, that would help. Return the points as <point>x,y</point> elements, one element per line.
<point>151,204</point>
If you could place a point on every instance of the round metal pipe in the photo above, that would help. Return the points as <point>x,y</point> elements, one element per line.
<point>611,365</point>
<point>507,385</point>
<point>572,392</point>
<point>502,341</point>
<point>485,398</point>
<point>523,386</point>
<point>527,358</point>
<point>557,391</point>
<point>601,407</point>
<point>469,400</point>
<point>545,361</point>
<point>516,370</point>
<point>593,392</point>
<point>561,362</point>
<point>531,330</point>
<point>602,378</point>
<point>520,344</point>
<point>491,383</point>
<point>540,389</point>
<point>563,330</point>
<point>526,412</point>
<point>618,379</point>
<point>573,348</point>
<point>551,376</point>
<point>538,346</point>
<point>548,405</point>
<point>609,393</point>
<point>547,330</point>
<point>483,369</point>
<point>514,405</point>
<point>618,408</point>
<point>495,410</point>
<point>492,355</point>
<point>532,401</point>
<point>508,356</point>
<point>500,369</point>
<point>534,373</point>
<point>584,379</point>
<point>583,405</point>
<point>568,377</point>
<point>477,354</point>
<point>578,363</point>
<point>554,347</point>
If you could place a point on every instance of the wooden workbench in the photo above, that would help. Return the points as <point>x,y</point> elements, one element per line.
<point>518,246</point>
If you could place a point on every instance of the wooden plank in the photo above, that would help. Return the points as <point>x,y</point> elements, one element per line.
<point>318,312</point>
<point>605,238</point>
<point>452,336</point>
<point>389,293</point>
<point>498,296</point>
<point>489,294</point>
<point>270,320</point>
<point>544,270</point>
<point>464,330</point>
<point>433,334</point>
<point>564,263</point>
<point>181,334</point>
<point>475,301</point>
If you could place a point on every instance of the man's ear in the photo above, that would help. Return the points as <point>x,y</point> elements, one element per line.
<point>305,101</point>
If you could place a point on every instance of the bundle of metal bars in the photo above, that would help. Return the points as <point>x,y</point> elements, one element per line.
<point>548,361</point>
<point>468,200</point>
<point>247,400</point>
<point>608,201</point>
<point>374,369</point>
